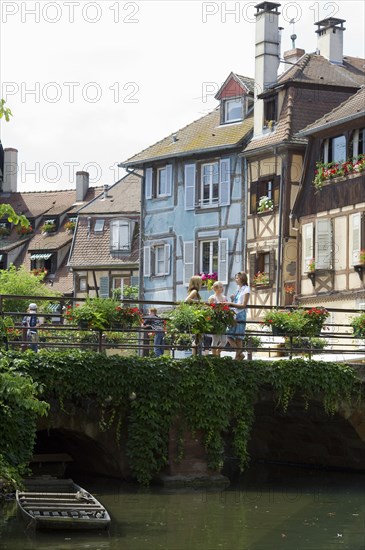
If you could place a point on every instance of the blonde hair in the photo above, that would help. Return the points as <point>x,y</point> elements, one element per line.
<point>195,283</point>
<point>217,284</point>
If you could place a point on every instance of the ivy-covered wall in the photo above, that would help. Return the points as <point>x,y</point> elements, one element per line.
<point>146,397</point>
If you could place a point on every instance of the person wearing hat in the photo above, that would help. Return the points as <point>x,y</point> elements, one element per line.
<point>31,322</point>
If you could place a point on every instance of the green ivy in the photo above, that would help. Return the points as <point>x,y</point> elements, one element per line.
<point>149,396</point>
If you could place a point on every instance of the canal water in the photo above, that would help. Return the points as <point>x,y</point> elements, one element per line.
<point>269,508</point>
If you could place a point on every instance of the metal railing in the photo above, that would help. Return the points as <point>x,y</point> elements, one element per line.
<point>53,333</point>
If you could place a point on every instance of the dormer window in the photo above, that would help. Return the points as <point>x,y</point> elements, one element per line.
<point>120,234</point>
<point>233,109</point>
<point>270,111</point>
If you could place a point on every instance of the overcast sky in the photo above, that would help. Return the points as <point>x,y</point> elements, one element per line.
<point>92,83</point>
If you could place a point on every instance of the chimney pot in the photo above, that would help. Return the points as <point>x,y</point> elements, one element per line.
<point>10,176</point>
<point>330,39</point>
<point>82,185</point>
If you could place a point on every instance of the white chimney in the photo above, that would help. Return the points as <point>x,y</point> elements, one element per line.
<point>267,55</point>
<point>82,185</point>
<point>10,177</point>
<point>105,190</point>
<point>330,39</point>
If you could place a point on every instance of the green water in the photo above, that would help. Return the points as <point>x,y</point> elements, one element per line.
<point>268,509</point>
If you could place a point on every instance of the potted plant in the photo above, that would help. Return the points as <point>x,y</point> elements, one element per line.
<point>127,317</point>
<point>220,317</point>
<point>311,266</point>
<point>298,322</point>
<point>358,326</point>
<point>265,205</point>
<point>48,227</point>
<point>289,289</point>
<point>326,171</point>
<point>22,231</point>
<point>4,231</point>
<point>86,317</point>
<point>39,271</point>
<point>362,256</point>
<point>70,226</point>
<point>187,320</point>
<point>261,279</point>
<point>208,279</point>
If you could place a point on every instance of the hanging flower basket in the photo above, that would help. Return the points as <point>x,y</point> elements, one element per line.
<point>358,326</point>
<point>298,322</point>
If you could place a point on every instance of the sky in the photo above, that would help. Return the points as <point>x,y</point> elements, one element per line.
<point>90,84</point>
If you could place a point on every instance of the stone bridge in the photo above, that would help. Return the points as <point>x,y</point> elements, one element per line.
<point>299,436</point>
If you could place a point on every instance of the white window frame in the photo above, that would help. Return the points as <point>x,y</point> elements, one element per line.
<point>153,181</point>
<point>328,144</point>
<point>159,267</point>
<point>161,186</point>
<point>115,236</point>
<point>308,245</point>
<point>210,183</point>
<point>323,244</point>
<point>226,105</point>
<point>356,140</point>
<point>152,260</point>
<point>83,284</point>
<point>213,258</point>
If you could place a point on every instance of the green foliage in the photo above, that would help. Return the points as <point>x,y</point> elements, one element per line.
<point>103,313</point>
<point>358,326</point>
<point>21,282</point>
<point>7,211</point>
<point>130,292</point>
<point>299,322</point>
<point>149,396</point>
<point>5,111</point>
<point>19,408</point>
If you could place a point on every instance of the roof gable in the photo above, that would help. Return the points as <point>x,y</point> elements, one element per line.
<point>235,86</point>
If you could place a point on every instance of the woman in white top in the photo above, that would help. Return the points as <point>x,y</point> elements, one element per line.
<point>239,302</point>
<point>218,340</point>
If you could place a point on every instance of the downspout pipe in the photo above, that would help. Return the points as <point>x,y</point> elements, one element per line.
<point>245,212</point>
<point>280,229</point>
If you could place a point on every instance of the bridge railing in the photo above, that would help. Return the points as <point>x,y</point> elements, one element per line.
<point>335,341</point>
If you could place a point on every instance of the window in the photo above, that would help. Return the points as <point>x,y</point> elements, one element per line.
<point>158,182</point>
<point>99,227</point>
<point>208,257</point>
<point>263,262</point>
<point>233,109</point>
<point>207,184</point>
<point>120,234</point>
<point>334,149</point>
<point>213,257</point>
<point>269,187</point>
<point>83,284</point>
<point>317,245</point>
<point>156,260</point>
<point>270,110</point>
<point>357,143</point>
<point>117,287</point>
<point>43,262</point>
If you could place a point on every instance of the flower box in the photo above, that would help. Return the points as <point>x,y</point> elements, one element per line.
<point>329,172</point>
<point>296,322</point>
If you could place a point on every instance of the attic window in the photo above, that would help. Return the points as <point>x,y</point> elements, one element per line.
<point>99,226</point>
<point>233,110</point>
<point>270,111</point>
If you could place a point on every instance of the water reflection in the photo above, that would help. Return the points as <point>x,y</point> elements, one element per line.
<point>269,508</point>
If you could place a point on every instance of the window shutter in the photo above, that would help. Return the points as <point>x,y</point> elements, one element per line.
<point>307,245</point>
<point>356,237</point>
<point>104,287</point>
<point>276,190</point>
<point>167,258</point>
<point>272,266</point>
<point>147,261</point>
<point>253,266</point>
<point>189,181</point>
<point>323,244</point>
<point>148,187</point>
<point>189,250</point>
<point>168,179</point>
<point>224,182</point>
<point>223,261</point>
<point>253,196</point>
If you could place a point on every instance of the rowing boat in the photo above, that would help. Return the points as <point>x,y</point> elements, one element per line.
<point>60,504</point>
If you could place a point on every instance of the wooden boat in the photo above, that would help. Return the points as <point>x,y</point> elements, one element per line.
<point>60,504</point>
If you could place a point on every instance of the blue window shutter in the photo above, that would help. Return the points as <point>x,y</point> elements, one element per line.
<point>224,182</point>
<point>147,261</point>
<point>148,183</point>
<point>223,261</point>
<point>189,252</point>
<point>189,181</point>
<point>104,287</point>
<point>167,259</point>
<point>168,179</point>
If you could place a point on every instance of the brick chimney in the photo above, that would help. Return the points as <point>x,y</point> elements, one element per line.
<point>10,176</point>
<point>292,56</point>
<point>330,39</point>
<point>82,185</point>
<point>267,55</point>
